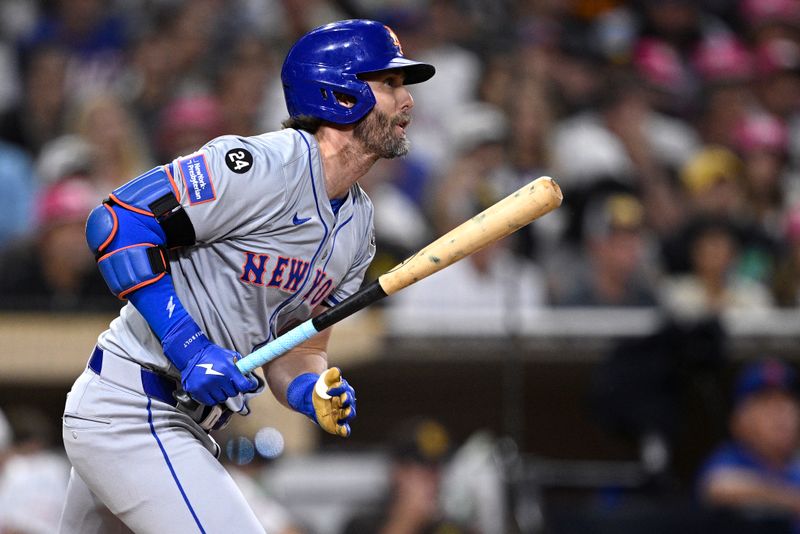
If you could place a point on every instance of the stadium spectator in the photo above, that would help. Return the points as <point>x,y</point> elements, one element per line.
<point>758,469</point>
<point>398,187</point>
<point>53,270</point>
<point>501,285</point>
<point>92,36</point>
<point>786,281</point>
<point>680,23</point>
<point>713,186</point>
<point>39,115</point>
<point>436,36</point>
<point>241,85</point>
<point>118,147</point>
<point>478,175</point>
<point>67,155</point>
<point>16,202</point>
<point>666,75</point>
<point>150,80</point>
<point>613,267</point>
<point>33,479</point>
<point>419,451</point>
<point>12,17</point>
<point>713,284</point>
<point>712,183</point>
<point>671,33</point>
<point>528,156</point>
<point>762,142</point>
<point>185,125</point>
<point>628,141</point>
<point>603,152</point>
<point>725,66</point>
<point>770,19</point>
<point>529,122</point>
<point>193,35</point>
<point>778,70</point>
<point>554,53</point>
<point>738,188</point>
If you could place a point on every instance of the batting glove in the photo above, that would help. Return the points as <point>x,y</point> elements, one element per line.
<point>208,372</point>
<point>211,377</point>
<point>326,399</point>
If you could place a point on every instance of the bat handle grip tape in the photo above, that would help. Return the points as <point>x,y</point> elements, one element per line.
<point>286,342</point>
<point>276,347</point>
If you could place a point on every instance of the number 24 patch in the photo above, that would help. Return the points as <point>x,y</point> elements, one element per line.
<point>239,160</point>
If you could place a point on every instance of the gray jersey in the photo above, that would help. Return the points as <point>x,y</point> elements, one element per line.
<point>270,247</point>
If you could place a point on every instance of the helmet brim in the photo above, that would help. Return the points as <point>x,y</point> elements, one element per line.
<point>415,71</point>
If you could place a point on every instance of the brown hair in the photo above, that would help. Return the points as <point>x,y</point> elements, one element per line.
<point>303,122</point>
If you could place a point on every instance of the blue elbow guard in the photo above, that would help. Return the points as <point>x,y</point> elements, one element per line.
<point>128,232</point>
<point>127,259</point>
<point>101,228</point>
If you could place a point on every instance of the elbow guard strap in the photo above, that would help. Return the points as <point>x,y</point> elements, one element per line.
<point>129,268</point>
<point>154,194</point>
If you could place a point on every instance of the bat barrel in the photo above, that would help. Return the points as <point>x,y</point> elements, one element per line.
<point>518,209</point>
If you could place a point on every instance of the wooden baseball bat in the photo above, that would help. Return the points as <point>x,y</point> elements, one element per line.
<point>539,197</point>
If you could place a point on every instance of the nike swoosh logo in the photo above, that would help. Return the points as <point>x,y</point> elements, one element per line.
<point>297,220</point>
<point>209,367</point>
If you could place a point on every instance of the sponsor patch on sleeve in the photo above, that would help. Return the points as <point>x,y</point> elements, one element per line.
<point>197,178</point>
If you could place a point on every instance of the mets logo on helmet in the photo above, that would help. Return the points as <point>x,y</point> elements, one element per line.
<point>395,40</point>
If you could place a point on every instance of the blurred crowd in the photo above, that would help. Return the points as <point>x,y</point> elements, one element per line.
<point>670,125</point>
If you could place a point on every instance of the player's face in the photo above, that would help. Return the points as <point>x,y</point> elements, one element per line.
<point>383,131</point>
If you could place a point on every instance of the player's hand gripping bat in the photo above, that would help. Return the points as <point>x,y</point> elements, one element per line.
<point>518,209</point>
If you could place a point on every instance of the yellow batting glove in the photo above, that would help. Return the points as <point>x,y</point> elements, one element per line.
<point>334,402</point>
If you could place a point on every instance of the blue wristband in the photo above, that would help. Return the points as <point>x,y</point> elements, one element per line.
<point>183,340</point>
<point>299,392</point>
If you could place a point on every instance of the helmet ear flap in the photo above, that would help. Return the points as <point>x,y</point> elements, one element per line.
<point>344,100</point>
<point>351,101</point>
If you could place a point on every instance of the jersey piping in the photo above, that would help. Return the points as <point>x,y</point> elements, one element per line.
<point>273,316</point>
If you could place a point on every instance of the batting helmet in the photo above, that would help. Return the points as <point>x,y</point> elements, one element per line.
<point>328,60</point>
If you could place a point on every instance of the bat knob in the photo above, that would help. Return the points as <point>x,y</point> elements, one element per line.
<point>186,403</point>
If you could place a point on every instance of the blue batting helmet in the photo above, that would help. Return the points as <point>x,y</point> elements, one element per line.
<point>328,60</point>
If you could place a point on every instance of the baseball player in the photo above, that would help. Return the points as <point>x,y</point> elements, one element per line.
<point>219,252</point>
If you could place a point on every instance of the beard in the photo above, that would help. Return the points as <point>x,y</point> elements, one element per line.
<point>376,134</point>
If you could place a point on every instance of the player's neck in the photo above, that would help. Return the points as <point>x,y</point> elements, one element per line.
<point>343,160</point>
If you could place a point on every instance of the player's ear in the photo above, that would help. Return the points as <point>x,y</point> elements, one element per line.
<point>344,100</point>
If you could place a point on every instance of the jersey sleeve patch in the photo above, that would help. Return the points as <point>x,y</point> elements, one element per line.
<point>197,177</point>
<point>239,160</point>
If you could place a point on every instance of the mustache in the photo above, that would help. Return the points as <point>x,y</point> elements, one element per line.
<point>401,118</point>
